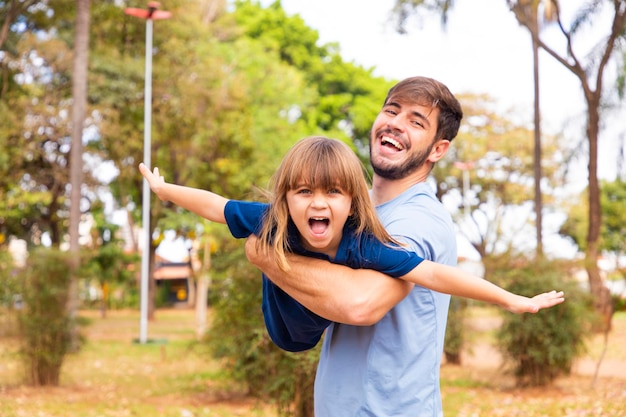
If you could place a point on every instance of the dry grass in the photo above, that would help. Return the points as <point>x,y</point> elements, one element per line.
<point>481,387</point>
<point>113,375</point>
<point>174,377</point>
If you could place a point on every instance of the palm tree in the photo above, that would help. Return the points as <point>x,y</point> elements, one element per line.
<point>591,80</point>
<point>528,10</point>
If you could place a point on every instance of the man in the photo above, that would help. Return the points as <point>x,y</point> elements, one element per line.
<point>381,355</point>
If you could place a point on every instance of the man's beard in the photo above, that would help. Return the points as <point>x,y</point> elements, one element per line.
<point>396,172</point>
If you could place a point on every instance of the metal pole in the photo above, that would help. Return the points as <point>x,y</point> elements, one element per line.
<point>147,127</point>
<point>150,15</point>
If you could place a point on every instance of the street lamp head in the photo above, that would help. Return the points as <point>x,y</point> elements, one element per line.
<point>151,13</point>
<point>152,7</point>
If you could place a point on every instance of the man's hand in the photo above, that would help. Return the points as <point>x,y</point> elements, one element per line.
<point>359,297</point>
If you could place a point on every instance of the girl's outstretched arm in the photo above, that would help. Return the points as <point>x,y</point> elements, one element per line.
<point>455,281</point>
<point>204,203</point>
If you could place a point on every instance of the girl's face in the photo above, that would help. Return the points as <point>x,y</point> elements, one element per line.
<point>319,215</point>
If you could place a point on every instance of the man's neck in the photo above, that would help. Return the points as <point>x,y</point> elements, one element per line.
<point>384,190</point>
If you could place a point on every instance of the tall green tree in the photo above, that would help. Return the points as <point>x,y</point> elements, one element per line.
<point>37,129</point>
<point>218,120</point>
<point>529,10</point>
<point>348,96</point>
<point>591,76</point>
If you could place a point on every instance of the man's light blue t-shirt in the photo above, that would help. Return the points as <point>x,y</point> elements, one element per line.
<point>392,368</point>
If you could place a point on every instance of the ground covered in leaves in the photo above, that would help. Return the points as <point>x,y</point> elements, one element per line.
<point>173,376</point>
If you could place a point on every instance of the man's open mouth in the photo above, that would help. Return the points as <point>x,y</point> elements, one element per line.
<point>391,142</point>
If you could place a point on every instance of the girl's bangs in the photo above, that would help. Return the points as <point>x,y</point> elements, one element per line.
<point>323,170</point>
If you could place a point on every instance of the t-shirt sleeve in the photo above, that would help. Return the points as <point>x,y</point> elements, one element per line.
<point>244,218</point>
<point>393,260</point>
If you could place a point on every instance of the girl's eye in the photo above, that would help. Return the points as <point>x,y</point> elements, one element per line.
<point>334,191</point>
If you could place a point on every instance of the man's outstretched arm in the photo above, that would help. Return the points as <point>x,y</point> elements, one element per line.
<point>359,297</point>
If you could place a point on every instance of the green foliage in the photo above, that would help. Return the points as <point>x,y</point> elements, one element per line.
<point>9,293</point>
<point>612,198</point>
<point>238,336</point>
<point>543,346</point>
<point>109,267</point>
<point>619,303</point>
<point>35,103</point>
<point>613,227</point>
<point>8,279</point>
<point>106,264</point>
<point>348,97</point>
<point>45,323</point>
<point>453,343</point>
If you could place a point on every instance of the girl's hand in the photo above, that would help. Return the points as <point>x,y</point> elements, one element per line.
<point>533,305</point>
<point>156,181</point>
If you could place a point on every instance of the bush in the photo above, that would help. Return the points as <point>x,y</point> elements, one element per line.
<point>619,303</point>
<point>453,343</point>
<point>543,346</point>
<point>44,322</point>
<point>10,298</point>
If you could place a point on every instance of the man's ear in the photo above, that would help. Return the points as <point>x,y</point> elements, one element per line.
<point>439,150</point>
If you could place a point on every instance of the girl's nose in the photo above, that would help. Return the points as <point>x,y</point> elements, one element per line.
<point>319,199</point>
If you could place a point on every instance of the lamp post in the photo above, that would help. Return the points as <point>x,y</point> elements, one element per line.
<point>149,14</point>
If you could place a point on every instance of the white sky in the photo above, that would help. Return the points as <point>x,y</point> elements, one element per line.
<point>482,50</point>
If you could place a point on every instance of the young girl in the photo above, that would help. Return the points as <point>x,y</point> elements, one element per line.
<point>320,206</point>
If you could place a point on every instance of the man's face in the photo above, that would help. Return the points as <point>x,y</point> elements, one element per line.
<point>402,138</point>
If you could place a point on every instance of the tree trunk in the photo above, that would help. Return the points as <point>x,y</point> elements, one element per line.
<point>602,302</point>
<point>204,281</point>
<point>152,287</point>
<point>79,96</point>
<point>537,156</point>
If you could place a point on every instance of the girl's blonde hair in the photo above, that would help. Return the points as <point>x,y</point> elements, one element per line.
<point>318,162</point>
